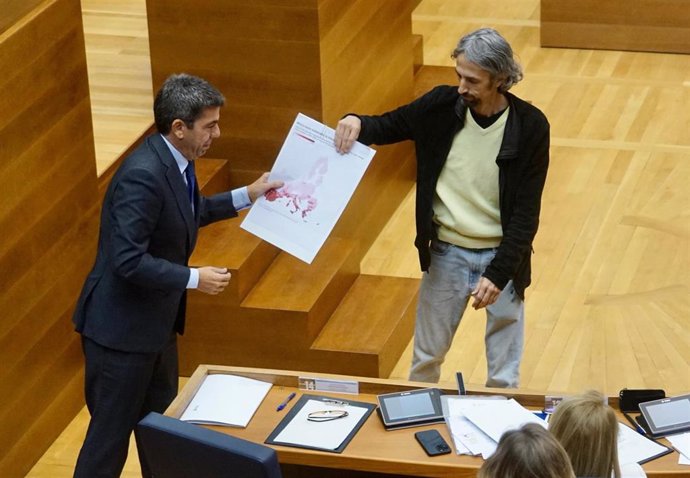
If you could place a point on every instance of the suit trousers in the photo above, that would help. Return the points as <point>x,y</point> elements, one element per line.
<point>443,297</point>
<point>121,388</point>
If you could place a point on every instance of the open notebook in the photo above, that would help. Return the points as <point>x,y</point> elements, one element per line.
<point>226,400</point>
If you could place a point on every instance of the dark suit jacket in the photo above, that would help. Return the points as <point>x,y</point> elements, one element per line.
<point>135,295</point>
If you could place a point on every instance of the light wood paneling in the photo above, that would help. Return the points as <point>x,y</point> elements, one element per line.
<point>15,10</point>
<point>609,307</point>
<point>638,25</point>
<point>321,58</point>
<point>49,182</point>
<point>117,54</point>
<point>263,56</point>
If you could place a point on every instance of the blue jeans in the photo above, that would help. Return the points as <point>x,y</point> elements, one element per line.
<point>443,296</point>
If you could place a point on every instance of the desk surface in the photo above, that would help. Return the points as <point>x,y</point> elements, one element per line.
<point>373,449</point>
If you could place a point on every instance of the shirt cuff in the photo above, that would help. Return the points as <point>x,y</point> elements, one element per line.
<point>193,281</point>
<point>240,198</point>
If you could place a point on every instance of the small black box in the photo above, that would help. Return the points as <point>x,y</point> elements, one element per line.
<point>629,399</point>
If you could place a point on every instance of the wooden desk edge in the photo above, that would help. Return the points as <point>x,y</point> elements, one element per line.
<point>375,386</point>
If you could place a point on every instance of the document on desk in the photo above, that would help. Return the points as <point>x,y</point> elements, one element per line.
<point>319,182</point>
<point>636,448</point>
<point>468,438</point>
<point>681,442</point>
<point>227,400</point>
<point>494,417</point>
<point>296,429</point>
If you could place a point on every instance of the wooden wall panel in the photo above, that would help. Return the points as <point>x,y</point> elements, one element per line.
<point>273,59</point>
<point>48,224</point>
<point>15,10</point>
<point>637,25</point>
<point>263,55</point>
<point>367,67</point>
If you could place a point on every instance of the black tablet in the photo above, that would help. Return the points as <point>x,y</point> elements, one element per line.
<point>667,416</point>
<point>412,408</point>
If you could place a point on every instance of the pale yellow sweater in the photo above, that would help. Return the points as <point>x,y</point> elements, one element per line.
<point>466,204</point>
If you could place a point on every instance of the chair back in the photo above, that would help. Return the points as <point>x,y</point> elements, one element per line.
<point>172,448</point>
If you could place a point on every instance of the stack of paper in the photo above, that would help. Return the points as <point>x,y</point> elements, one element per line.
<point>476,425</point>
<point>226,400</point>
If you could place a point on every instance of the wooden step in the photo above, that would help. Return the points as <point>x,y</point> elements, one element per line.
<point>427,77</point>
<point>417,51</point>
<point>371,327</point>
<point>315,290</point>
<point>276,323</point>
<point>226,244</point>
<point>213,175</point>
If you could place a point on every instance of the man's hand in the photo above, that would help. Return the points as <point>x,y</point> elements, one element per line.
<point>486,293</point>
<point>346,133</point>
<point>213,280</point>
<point>259,187</point>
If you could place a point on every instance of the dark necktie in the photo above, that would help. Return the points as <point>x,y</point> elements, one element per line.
<point>191,181</point>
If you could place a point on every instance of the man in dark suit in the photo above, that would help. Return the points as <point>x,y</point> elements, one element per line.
<point>132,305</point>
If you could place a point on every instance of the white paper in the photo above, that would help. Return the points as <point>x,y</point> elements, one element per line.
<point>460,448</point>
<point>327,434</point>
<point>494,417</point>
<point>466,435</point>
<point>319,182</point>
<point>634,447</point>
<point>681,442</point>
<point>470,438</point>
<point>226,400</point>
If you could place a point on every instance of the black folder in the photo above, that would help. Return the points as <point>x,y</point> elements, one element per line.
<point>295,412</point>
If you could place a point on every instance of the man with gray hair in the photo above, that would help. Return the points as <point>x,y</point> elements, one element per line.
<point>132,305</point>
<point>482,156</point>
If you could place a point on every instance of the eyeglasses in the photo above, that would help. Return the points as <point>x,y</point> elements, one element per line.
<point>326,415</point>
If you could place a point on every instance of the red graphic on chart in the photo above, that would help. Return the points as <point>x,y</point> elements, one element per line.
<point>299,195</point>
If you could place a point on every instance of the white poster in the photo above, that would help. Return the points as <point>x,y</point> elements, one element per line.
<point>319,182</point>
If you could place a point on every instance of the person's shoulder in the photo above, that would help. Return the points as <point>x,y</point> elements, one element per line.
<point>149,150</point>
<point>527,110</point>
<point>145,158</point>
<point>443,93</point>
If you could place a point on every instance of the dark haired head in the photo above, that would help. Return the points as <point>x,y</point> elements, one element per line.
<point>183,97</point>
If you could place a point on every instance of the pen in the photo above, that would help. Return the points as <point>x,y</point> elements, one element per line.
<point>635,425</point>
<point>285,402</point>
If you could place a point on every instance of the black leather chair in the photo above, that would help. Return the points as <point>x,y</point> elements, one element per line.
<point>176,449</point>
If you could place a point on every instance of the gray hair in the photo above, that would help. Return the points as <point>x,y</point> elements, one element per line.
<point>183,97</point>
<point>488,49</point>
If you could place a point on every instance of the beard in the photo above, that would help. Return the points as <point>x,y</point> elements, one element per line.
<point>469,101</point>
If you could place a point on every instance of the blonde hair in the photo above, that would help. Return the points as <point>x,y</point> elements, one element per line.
<point>588,430</point>
<point>528,452</point>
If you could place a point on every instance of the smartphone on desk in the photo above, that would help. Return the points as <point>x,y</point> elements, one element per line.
<point>432,442</point>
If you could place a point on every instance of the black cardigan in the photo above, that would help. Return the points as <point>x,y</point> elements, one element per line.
<point>432,122</point>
